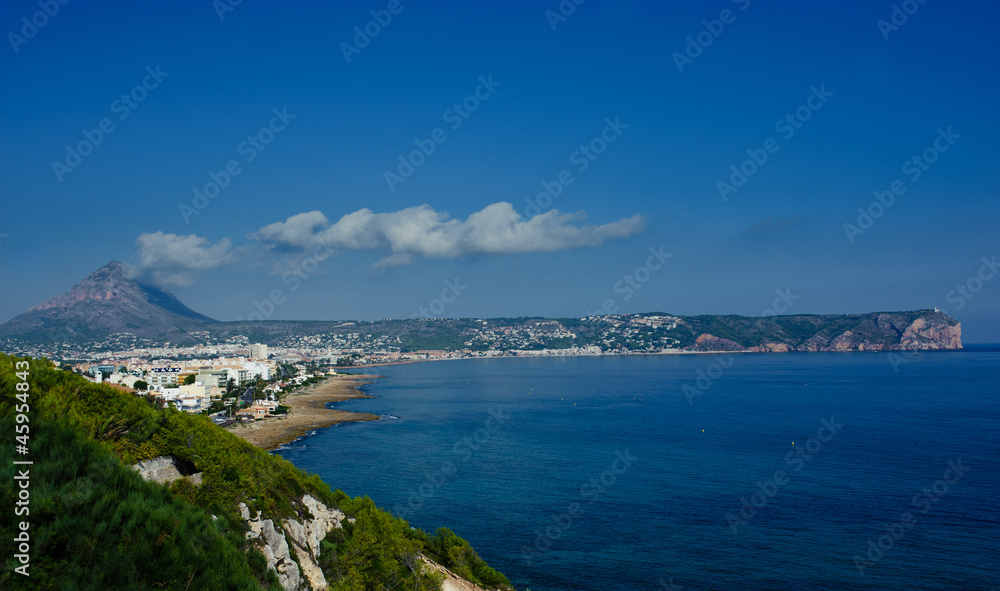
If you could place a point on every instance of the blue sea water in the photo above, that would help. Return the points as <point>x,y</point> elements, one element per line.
<point>631,473</point>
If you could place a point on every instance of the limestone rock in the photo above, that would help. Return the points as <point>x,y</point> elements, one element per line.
<point>303,536</point>
<point>770,348</point>
<point>925,335</point>
<point>164,469</point>
<point>272,543</point>
<point>158,470</point>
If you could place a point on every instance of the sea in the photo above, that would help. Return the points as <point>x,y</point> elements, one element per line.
<point>799,471</point>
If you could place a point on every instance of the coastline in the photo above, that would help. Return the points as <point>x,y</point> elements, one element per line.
<point>308,411</point>
<point>667,353</point>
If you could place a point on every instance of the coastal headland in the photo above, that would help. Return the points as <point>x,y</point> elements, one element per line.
<point>308,411</point>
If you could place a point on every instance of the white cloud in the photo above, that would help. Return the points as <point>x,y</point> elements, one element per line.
<point>171,259</point>
<point>394,260</point>
<point>422,231</point>
<point>295,231</point>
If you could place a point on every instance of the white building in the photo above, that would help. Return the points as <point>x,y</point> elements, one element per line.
<point>163,376</point>
<point>258,351</point>
<point>189,397</point>
<point>256,368</point>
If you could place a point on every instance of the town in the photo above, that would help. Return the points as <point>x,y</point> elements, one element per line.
<point>233,378</point>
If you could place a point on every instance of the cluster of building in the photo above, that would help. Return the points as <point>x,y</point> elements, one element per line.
<point>193,385</point>
<point>220,364</point>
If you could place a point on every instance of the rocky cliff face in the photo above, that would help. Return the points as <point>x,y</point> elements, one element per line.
<point>931,334</point>
<point>302,536</point>
<point>888,331</point>
<point>708,342</point>
<point>165,469</point>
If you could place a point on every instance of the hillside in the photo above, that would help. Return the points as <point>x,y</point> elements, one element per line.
<point>627,333</point>
<point>226,515</point>
<point>111,311</point>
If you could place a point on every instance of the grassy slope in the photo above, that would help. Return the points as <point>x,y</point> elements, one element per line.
<point>97,525</point>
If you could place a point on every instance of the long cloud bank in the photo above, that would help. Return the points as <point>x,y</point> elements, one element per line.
<point>420,231</point>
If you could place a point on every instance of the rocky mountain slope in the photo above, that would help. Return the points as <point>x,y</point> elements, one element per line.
<point>884,331</point>
<point>107,301</point>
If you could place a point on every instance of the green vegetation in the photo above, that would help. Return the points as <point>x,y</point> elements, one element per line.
<point>357,555</point>
<point>95,524</point>
<point>448,549</point>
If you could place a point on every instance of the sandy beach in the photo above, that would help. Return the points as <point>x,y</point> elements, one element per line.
<point>307,411</point>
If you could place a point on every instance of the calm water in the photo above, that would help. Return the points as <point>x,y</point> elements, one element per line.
<point>603,474</point>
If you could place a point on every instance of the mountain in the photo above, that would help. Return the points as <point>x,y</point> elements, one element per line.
<point>617,334</point>
<point>107,301</point>
<point>880,331</point>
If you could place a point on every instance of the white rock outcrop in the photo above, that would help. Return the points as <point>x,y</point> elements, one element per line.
<point>163,469</point>
<point>303,537</point>
<point>273,544</point>
<point>451,581</point>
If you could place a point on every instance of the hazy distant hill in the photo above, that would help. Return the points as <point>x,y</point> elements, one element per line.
<point>107,301</point>
<point>631,333</point>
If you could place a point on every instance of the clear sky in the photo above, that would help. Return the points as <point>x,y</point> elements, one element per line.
<point>374,174</point>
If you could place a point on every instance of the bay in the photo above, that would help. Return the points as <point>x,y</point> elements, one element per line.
<point>679,471</point>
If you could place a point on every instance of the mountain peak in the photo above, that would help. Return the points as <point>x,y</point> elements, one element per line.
<point>105,302</point>
<point>115,267</point>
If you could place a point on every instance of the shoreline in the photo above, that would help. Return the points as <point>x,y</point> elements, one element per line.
<point>651,354</point>
<point>307,412</point>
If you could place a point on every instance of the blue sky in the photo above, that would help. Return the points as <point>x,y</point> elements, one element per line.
<point>864,101</point>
